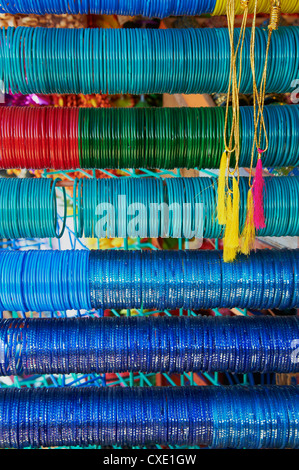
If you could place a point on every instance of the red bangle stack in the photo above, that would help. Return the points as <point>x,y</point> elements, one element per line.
<point>39,138</point>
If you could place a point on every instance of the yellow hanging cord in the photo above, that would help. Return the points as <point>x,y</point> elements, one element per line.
<point>275,11</point>
<point>259,95</point>
<point>229,200</point>
<point>248,233</point>
<point>234,84</point>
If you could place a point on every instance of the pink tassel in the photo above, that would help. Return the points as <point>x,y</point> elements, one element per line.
<point>258,196</point>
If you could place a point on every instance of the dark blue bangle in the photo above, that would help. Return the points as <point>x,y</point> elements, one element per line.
<point>149,345</point>
<point>219,417</point>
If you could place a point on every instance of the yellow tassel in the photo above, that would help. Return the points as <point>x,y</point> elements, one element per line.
<point>235,233</point>
<point>229,252</point>
<point>231,236</point>
<point>248,234</point>
<point>222,209</point>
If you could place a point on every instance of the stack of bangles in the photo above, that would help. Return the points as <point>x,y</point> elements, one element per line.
<point>53,280</point>
<point>29,208</point>
<point>106,207</point>
<point>150,9</point>
<point>141,61</point>
<point>113,344</point>
<point>51,136</point>
<point>175,207</point>
<point>238,417</point>
<point>71,138</point>
<point>150,345</point>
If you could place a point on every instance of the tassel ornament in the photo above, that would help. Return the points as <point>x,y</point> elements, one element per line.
<point>258,196</point>
<point>231,236</point>
<point>248,233</point>
<point>221,206</point>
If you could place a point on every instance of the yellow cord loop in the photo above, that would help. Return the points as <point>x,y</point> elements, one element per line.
<point>255,207</point>
<point>259,95</point>
<point>229,199</point>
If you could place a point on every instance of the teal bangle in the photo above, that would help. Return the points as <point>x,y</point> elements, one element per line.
<point>53,196</point>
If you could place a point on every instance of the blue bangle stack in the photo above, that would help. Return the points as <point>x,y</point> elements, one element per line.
<point>219,417</point>
<point>149,345</point>
<point>64,280</point>
<point>150,9</point>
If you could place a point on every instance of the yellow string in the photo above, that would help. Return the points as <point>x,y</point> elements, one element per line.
<point>234,86</point>
<point>248,234</point>
<point>233,146</point>
<point>229,199</point>
<point>259,95</point>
